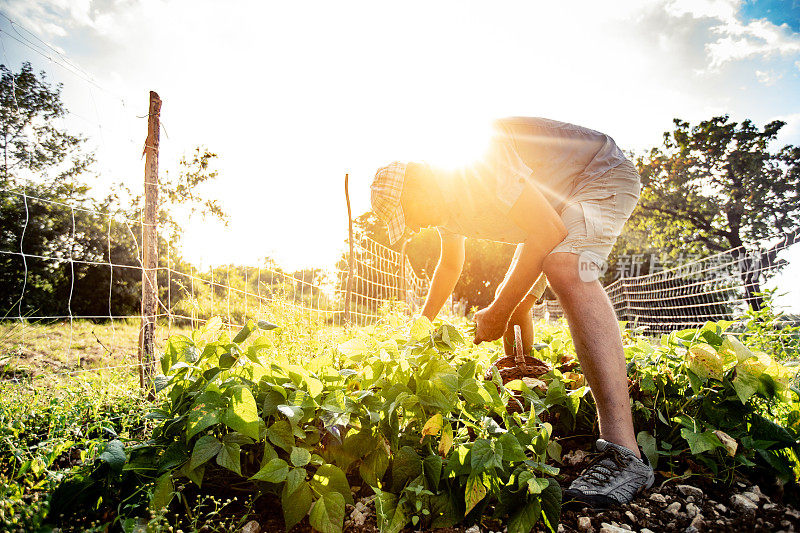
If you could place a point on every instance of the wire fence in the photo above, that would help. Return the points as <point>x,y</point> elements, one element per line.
<point>71,263</point>
<point>381,277</point>
<point>720,287</point>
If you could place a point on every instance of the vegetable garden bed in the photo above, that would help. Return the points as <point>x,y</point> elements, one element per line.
<point>263,427</point>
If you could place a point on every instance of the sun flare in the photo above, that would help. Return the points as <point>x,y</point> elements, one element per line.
<point>459,144</point>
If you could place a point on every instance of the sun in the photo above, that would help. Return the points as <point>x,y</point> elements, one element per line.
<point>457,143</point>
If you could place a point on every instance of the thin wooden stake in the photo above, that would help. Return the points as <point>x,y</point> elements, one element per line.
<point>349,291</point>
<point>147,333</point>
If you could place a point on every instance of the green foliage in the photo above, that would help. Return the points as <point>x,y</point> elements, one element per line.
<point>703,395</point>
<point>403,411</point>
<point>46,432</point>
<point>382,410</point>
<point>31,141</point>
<point>720,183</point>
<point>770,330</point>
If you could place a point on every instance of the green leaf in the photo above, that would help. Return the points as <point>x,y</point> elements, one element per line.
<point>194,474</point>
<point>163,492</point>
<point>269,453</point>
<point>266,326</point>
<point>536,485</point>
<point>443,513</point>
<point>354,348</point>
<point>280,434</point>
<point>327,514</point>
<point>700,442</point>
<point>211,327</point>
<point>245,332</point>
<point>274,471</point>
<point>272,400</point>
<point>229,457</point>
<point>704,361</point>
<point>391,517</point>
<point>242,413</point>
<point>695,381</point>
<point>406,465</point>
<point>292,412</point>
<point>114,455</point>
<point>432,466</point>
<point>330,478</point>
<point>226,361</point>
<point>551,505</point>
<point>295,477</point>
<point>485,455</point>
<point>523,520</point>
<point>206,412</point>
<point>238,438</point>
<point>315,386</point>
<point>205,448</point>
<point>421,328</point>
<point>161,382</point>
<point>300,456</point>
<point>766,430</point>
<point>474,492</point>
<point>648,444</point>
<point>176,454</point>
<point>374,466</point>
<point>742,352</point>
<point>512,449</point>
<point>745,384</point>
<point>295,504</point>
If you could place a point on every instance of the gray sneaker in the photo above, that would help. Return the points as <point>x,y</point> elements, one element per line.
<point>612,478</point>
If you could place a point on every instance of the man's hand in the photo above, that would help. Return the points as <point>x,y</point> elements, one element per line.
<point>490,324</point>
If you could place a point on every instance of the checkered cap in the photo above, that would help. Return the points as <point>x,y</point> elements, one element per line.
<point>387,187</point>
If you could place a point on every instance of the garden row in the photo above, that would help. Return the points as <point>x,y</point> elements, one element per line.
<point>420,419</point>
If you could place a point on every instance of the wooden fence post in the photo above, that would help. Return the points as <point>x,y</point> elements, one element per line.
<point>349,291</point>
<point>403,274</point>
<point>147,333</point>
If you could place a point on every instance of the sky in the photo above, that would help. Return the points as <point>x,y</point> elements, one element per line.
<point>293,95</point>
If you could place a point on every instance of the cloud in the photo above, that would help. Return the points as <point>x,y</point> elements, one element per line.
<point>730,37</point>
<point>757,38</point>
<point>768,77</point>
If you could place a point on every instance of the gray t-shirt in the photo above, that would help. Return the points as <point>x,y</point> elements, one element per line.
<point>558,158</point>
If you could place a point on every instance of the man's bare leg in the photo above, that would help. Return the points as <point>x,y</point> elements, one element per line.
<point>598,344</point>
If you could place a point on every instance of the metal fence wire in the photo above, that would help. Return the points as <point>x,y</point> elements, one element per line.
<point>720,287</point>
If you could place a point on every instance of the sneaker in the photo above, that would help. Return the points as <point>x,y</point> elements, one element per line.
<point>612,478</point>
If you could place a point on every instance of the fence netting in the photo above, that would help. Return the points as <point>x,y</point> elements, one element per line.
<point>721,287</point>
<point>79,269</point>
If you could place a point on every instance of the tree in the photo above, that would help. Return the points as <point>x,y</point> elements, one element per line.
<point>56,246</point>
<point>30,141</point>
<point>715,186</point>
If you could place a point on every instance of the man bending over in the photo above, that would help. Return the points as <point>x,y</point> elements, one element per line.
<point>562,193</point>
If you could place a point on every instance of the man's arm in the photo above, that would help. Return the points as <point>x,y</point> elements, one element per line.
<point>545,230</point>
<point>445,277</point>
